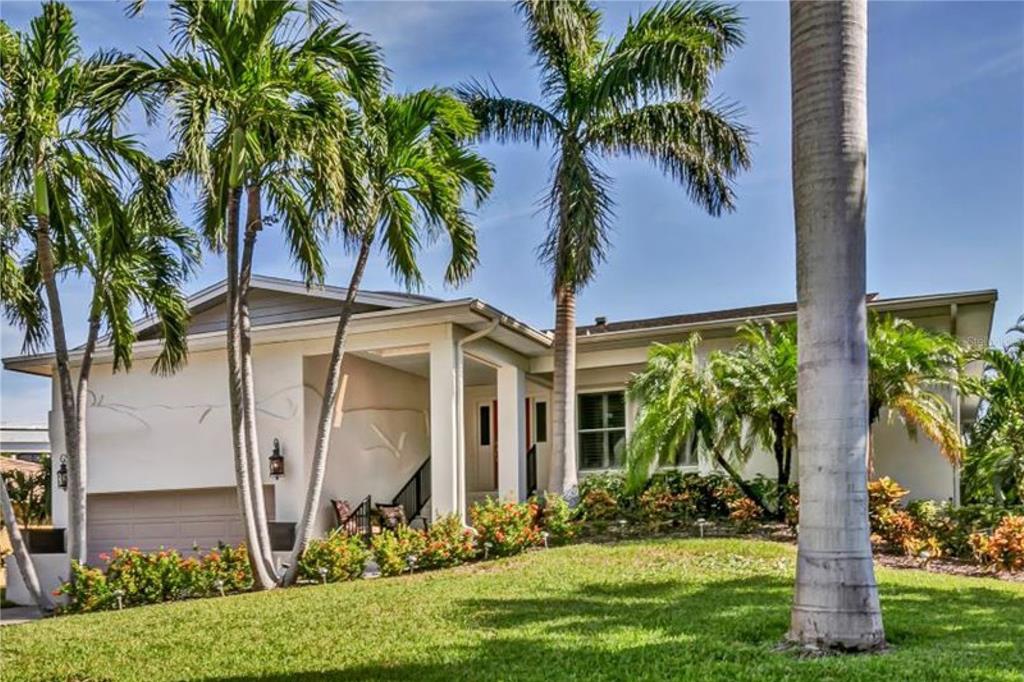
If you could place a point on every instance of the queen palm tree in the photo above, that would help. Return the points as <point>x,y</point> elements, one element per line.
<point>643,95</point>
<point>64,177</point>
<point>909,369</point>
<point>759,381</point>
<point>836,604</point>
<point>682,403</point>
<point>259,110</point>
<point>415,169</point>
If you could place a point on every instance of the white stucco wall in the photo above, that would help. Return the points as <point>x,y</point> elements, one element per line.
<point>166,433</point>
<point>51,569</point>
<point>383,435</point>
<point>916,464</point>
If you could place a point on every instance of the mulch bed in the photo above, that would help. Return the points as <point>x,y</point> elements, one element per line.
<point>948,566</point>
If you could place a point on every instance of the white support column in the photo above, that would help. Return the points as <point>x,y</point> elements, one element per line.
<point>445,406</point>
<point>511,433</point>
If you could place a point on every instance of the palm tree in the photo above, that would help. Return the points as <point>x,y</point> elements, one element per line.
<point>995,456</point>
<point>273,107</point>
<point>836,603</point>
<point>682,404</point>
<point>64,176</point>
<point>415,168</point>
<point>909,368</point>
<point>759,381</point>
<point>643,95</point>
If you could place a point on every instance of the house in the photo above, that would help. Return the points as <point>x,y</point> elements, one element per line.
<point>29,443</point>
<point>450,397</point>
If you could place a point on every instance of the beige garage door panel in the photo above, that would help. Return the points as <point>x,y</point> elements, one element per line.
<point>178,519</point>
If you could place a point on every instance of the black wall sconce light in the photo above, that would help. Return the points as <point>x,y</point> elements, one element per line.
<point>62,473</point>
<point>276,461</point>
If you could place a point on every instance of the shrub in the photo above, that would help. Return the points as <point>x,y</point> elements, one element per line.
<point>601,497</point>
<point>223,570</point>
<point>335,558</point>
<point>87,590</point>
<point>710,494</point>
<point>884,497</point>
<point>505,528</point>
<point>133,578</point>
<point>1004,547</point>
<point>556,519</point>
<point>659,506</point>
<point>791,509</point>
<point>447,543</point>
<point>958,524</point>
<point>745,512</point>
<point>393,549</point>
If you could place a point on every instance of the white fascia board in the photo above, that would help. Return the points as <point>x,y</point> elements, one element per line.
<point>882,304</point>
<point>464,312</point>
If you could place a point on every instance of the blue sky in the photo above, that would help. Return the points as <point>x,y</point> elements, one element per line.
<point>946,180</point>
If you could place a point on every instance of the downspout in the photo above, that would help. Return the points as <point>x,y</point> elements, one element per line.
<point>460,415</point>
<point>955,395</point>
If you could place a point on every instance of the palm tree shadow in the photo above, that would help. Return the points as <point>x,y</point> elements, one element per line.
<point>677,629</point>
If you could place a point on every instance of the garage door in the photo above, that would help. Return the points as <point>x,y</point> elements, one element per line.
<point>178,519</point>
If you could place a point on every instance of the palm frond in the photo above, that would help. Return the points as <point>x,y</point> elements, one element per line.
<point>504,119</point>
<point>702,147</point>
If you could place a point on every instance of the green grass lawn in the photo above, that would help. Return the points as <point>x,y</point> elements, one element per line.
<point>652,610</point>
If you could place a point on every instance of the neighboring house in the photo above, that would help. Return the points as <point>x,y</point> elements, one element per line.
<point>26,443</point>
<point>455,389</point>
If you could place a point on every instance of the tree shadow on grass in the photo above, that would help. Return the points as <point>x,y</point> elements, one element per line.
<point>724,629</point>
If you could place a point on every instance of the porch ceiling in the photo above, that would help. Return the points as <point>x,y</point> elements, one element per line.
<point>475,373</point>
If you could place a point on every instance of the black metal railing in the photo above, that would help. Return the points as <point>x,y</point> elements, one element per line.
<point>414,494</point>
<point>531,471</point>
<point>358,521</point>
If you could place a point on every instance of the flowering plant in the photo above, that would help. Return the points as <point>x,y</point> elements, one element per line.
<point>505,528</point>
<point>335,558</point>
<point>447,543</point>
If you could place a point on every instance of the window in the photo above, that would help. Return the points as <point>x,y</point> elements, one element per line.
<point>540,421</point>
<point>686,455</point>
<point>485,425</point>
<point>601,423</point>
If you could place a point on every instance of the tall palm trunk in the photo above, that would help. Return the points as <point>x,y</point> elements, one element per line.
<point>243,473</point>
<point>253,225</point>
<point>562,476</point>
<point>26,566</point>
<point>836,601</point>
<point>77,547</point>
<point>323,432</point>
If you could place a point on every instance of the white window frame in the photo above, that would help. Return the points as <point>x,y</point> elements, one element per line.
<point>627,429</point>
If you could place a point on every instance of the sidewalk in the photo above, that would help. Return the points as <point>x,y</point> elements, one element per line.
<point>16,615</point>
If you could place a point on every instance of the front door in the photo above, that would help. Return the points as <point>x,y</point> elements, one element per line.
<point>486,444</point>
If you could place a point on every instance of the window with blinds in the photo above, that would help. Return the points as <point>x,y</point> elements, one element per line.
<point>601,426</point>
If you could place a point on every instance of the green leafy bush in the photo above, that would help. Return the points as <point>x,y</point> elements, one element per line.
<point>602,497</point>
<point>87,590</point>
<point>335,558</point>
<point>556,519</point>
<point>133,578</point>
<point>505,528</point>
<point>447,543</point>
<point>395,550</point>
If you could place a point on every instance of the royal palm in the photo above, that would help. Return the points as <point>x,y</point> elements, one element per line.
<point>644,95</point>
<point>835,606</point>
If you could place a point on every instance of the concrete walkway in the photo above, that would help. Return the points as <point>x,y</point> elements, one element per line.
<point>16,615</point>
